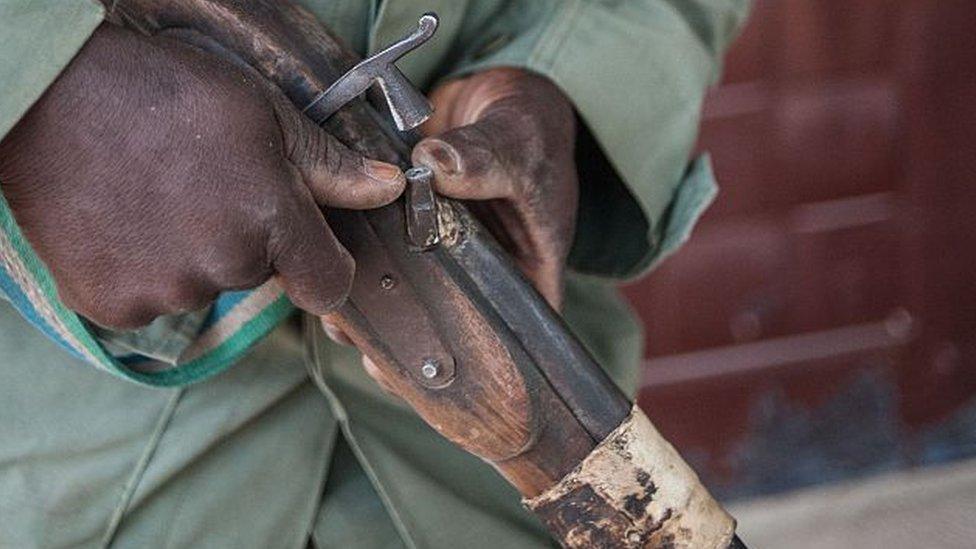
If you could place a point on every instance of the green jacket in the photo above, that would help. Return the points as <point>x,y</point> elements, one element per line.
<point>259,456</point>
<point>636,71</point>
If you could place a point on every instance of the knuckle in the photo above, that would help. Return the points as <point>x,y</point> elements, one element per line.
<point>307,146</point>
<point>113,308</point>
<point>479,152</point>
<point>324,148</point>
<point>344,268</point>
<point>337,282</point>
<point>134,319</point>
<point>123,315</point>
<point>269,211</point>
<point>326,171</point>
<point>334,160</point>
<point>296,142</point>
<point>330,301</point>
<point>73,300</point>
<point>231,268</point>
<point>242,279</point>
<point>183,296</point>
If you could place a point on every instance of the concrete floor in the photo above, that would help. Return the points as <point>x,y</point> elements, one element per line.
<point>933,507</point>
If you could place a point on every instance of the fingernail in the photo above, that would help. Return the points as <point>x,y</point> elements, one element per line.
<point>381,171</point>
<point>445,157</point>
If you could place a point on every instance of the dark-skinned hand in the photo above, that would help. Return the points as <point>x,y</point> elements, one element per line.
<point>151,176</point>
<point>503,140</point>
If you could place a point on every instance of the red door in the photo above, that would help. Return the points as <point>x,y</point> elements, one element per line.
<point>820,323</point>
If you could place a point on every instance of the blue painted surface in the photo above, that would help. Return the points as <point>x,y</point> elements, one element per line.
<point>856,433</point>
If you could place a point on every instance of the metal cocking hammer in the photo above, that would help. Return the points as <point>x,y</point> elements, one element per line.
<point>408,108</point>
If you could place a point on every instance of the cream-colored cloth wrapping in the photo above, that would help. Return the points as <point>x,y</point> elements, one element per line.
<point>634,490</point>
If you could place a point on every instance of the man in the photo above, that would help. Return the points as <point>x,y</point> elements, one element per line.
<point>161,217</point>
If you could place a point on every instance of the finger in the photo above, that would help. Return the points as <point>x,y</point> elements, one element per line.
<point>534,246</point>
<point>185,295</point>
<point>379,376</point>
<point>547,276</point>
<point>336,175</point>
<point>334,332</point>
<point>314,269</point>
<point>119,317</point>
<point>467,163</point>
<point>104,305</point>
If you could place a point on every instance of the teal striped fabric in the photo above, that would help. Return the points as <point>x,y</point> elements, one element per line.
<point>37,39</point>
<point>236,321</point>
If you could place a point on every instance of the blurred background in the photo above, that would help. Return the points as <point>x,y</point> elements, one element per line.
<point>812,349</point>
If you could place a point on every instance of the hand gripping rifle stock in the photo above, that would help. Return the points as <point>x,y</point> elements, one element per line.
<point>454,328</point>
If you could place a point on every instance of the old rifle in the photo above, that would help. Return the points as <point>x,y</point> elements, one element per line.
<point>453,327</point>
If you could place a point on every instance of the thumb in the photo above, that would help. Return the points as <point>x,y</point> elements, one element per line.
<point>466,163</point>
<point>336,175</point>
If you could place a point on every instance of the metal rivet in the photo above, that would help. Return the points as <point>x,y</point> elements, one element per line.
<point>387,282</point>
<point>419,172</point>
<point>430,369</point>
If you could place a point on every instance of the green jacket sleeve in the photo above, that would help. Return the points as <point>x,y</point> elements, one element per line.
<point>637,72</point>
<point>38,38</point>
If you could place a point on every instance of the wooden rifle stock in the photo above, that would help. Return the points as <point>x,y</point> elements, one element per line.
<point>456,331</point>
